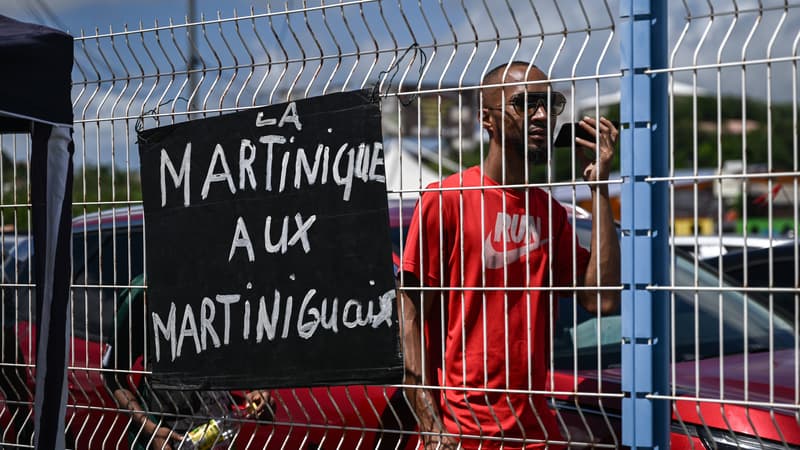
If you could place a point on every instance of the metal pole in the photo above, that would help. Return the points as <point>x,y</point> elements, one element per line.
<point>645,313</point>
<point>193,56</point>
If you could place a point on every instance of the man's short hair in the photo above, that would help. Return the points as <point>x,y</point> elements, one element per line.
<point>497,71</point>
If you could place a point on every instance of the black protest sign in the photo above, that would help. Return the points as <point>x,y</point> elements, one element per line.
<point>268,248</point>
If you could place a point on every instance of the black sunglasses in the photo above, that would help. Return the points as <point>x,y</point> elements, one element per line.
<point>537,100</point>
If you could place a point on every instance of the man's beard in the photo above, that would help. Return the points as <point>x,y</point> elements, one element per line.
<point>536,155</point>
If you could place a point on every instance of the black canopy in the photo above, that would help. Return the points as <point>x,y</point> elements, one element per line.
<point>36,76</point>
<point>35,86</point>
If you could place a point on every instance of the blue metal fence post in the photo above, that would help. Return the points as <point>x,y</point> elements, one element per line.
<point>645,313</point>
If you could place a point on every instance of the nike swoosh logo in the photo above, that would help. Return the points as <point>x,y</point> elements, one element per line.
<point>493,259</point>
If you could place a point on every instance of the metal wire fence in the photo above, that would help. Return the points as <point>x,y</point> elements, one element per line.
<point>734,366</point>
<point>734,183</point>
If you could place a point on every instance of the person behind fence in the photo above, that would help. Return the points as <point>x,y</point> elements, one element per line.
<point>480,247</point>
<point>160,417</point>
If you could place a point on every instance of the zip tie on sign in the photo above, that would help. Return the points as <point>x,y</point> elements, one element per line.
<point>394,69</point>
<point>139,127</point>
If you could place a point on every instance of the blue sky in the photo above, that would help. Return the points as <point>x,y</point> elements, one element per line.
<point>77,15</point>
<point>775,35</point>
<point>88,15</point>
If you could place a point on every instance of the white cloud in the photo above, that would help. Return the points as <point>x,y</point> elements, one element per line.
<point>11,7</point>
<point>524,32</point>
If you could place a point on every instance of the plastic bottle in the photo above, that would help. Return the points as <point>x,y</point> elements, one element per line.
<point>217,432</point>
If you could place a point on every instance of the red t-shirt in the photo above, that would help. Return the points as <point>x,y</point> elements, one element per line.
<point>484,340</point>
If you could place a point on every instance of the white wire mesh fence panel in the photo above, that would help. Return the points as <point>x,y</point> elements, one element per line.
<point>733,206</point>
<point>426,60</point>
<point>18,303</point>
<point>733,67</point>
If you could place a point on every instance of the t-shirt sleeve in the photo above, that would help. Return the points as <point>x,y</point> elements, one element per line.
<point>423,253</point>
<point>566,241</point>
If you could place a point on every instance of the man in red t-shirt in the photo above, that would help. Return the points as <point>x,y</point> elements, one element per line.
<point>487,251</point>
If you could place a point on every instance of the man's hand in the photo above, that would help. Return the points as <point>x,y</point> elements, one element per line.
<point>433,439</point>
<point>597,169</point>
<point>411,305</point>
<point>164,439</point>
<point>260,404</point>
<point>603,266</point>
<point>440,443</point>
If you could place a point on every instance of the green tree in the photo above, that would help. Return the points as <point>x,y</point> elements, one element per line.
<point>94,189</point>
<point>718,134</point>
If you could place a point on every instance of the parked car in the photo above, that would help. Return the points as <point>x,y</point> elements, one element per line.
<point>10,241</point>
<point>108,252</point>
<point>708,372</point>
<point>706,246</point>
<point>726,347</point>
<point>775,269</point>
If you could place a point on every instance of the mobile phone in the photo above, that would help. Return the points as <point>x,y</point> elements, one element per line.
<point>564,138</point>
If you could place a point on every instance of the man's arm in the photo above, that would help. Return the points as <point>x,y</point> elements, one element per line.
<point>412,305</point>
<point>603,268</point>
<point>162,437</point>
<point>127,346</point>
<point>605,256</point>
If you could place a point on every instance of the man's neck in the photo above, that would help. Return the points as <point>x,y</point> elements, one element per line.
<point>510,173</point>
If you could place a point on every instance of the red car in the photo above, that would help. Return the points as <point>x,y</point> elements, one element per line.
<point>108,252</point>
<point>737,392</point>
<point>102,256</point>
<point>712,379</point>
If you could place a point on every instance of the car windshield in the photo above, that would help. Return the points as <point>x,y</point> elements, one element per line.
<point>714,319</point>
<point>100,262</point>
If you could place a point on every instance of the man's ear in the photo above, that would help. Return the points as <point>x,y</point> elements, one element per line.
<point>486,121</point>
